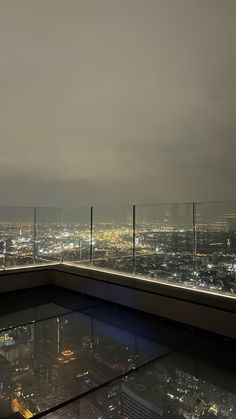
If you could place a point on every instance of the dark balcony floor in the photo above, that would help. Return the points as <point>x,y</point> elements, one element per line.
<point>66,355</point>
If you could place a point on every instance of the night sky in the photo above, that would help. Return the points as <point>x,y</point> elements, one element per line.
<point>117,101</point>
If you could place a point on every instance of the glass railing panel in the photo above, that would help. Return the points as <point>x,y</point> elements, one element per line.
<point>164,242</point>
<point>76,235</point>
<point>193,245</point>
<point>113,238</point>
<point>16,236</point>
<point>215,258</point>
<point>49,235</point>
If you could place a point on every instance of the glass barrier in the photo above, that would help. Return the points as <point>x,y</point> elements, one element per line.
<point>16,236</point>
<point>191,245</point>
<point>48,235</point>
<point>164,242</point>
<point>77,235</point>
<point>215,257</point>
<point>112,238</point>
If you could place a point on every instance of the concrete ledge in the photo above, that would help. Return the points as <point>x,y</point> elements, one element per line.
<point>23,278</point>
<point>214,313</point>
<point>216,300</point>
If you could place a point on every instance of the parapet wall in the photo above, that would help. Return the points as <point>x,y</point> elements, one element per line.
<point>212,312</point>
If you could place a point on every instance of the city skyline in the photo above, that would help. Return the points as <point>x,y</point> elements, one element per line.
<point>189,245</point>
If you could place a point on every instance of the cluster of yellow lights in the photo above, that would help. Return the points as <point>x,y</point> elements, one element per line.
<point>19,407</point>
<point>67,352</point>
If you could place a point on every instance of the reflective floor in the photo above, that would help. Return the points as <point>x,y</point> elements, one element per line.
<point>65,355</point>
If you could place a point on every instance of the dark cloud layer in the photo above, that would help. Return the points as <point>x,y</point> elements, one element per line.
<point>122,101</point>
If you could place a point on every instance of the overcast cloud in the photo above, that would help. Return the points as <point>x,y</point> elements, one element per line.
<point>117,101</point>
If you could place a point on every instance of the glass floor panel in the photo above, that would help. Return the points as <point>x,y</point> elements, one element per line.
<point>176,386</point>
<point>50,361</point>
<point>96,360</point>
<point>31,314</point>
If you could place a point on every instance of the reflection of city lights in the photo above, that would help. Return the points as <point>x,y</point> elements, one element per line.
<point>82,374</point>
<point>214,410</point>
<point>19,407</point>
<point>67,352</point>
<point>67,356</point>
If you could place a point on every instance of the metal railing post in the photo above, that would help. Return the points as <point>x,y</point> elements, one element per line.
<point>4,251</point>
<point>35,235</point>
<point>134,239</point>
<point>194,233</point>
<point>62,235</point>
<point>91,236</point>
